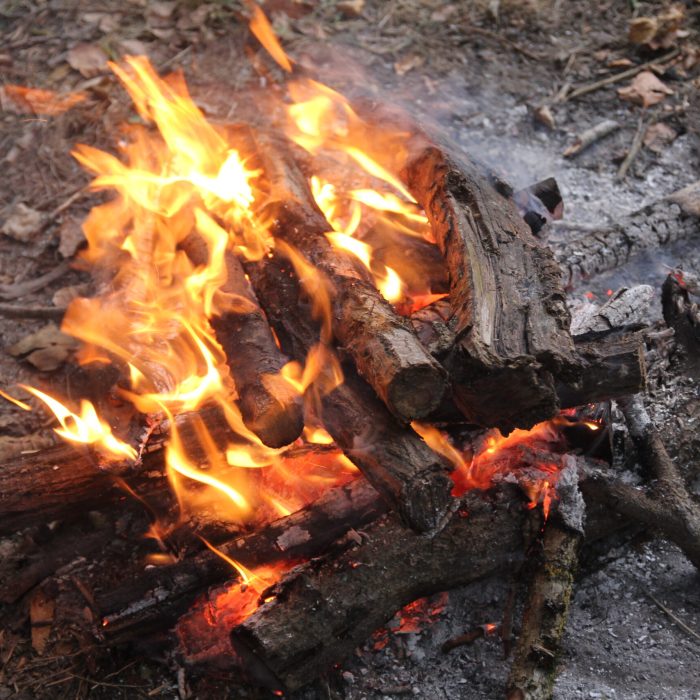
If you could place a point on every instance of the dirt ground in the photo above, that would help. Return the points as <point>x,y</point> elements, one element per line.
<point>481,72</point>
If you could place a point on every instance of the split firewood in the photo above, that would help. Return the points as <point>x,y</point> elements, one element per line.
<point>318,614</point>
<point>626,307</point>
<point>533,672</point>
<point>609,246</point>
<point>511,320</point>
<point>382,344</point>
<point>405,471</point>
<point>158,596</point>
<point>667,506</point>
<point>270,407</point>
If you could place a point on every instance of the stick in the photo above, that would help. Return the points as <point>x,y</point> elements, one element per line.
<point>631,72</point>
<point>16,311</point>
<point>15,291</point>
<point>590,136</point>
<point>636,146</point>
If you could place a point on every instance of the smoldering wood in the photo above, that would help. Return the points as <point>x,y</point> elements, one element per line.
<point>381,343</point>
<point>322,610</point>
<point>612,245</point>
<point>511,319</point>
<point>667,506</point>
<point>269,405</point>
<point>155,599</point>
<point>626,307</point>
<point>405,471</point>
<point>681,314</point>
<point>612,360</point>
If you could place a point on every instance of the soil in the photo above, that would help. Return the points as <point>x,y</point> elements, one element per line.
<point>478,71</point>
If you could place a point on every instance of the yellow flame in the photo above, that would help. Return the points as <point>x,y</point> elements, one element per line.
<point>86,428</point>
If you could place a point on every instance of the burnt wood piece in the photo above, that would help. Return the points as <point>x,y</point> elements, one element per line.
<point>511,320</point>
<point>270,406</point>
<point>610,246</point>
<point>158,596</point>
<point>612,361</point>
<point>534,667</point>
<point>382,344</point>
<point>666,506</point>
<point>321,611</point>
<point>682,314</point>
<point>395,460</point>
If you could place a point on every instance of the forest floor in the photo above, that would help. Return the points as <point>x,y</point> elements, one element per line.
<point>482,72</point>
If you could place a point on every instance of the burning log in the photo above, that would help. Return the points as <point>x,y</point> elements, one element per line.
<point>405,471</point>
<point>511,320</point>
<point>270,407</point>
<point>160,595</point>
<point>382,344</point>
<point>608,247</point>
<point>321,611</point>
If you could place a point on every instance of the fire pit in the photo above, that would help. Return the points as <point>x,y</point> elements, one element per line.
<point>332,358</point>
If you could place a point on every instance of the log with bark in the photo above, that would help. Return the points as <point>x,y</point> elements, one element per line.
<point>682,315</point>
<point>155,599</point>
<point>511,320</point>
<point>382,344</point>
<point>405,471</point>
<point>321,611</point>
<point>612,360</point>
<point>270,407</point>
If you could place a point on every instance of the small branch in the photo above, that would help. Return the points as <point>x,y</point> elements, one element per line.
<point>590,136</point>
<point>675,618</point>
<point>15,311</point>
<point>15,291</point>
<point>631,72</point>
<point>636,146</point>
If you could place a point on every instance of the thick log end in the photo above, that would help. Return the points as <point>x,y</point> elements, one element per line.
<point>272,409</point>
<point>416,391</point>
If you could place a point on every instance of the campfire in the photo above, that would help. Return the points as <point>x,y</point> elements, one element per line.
<point>343,348</point>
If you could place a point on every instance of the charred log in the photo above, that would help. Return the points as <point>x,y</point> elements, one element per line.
<point>382,344</point>
<point>320,612</point>
<point>155,599</point>
<point>269,405</point>
<point>405,471</point>
<point>511,320</point>
<point>682,314</point>
<point>608,247</point>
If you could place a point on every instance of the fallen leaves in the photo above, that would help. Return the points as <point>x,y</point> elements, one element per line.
<point>646,90</point>
<point>658,136</point>
<point>22,223</point>
<point>660,31</point>
<point>25,100</point>
<point>70,236</point>
<point>88,59</point>
<point>47,349</point>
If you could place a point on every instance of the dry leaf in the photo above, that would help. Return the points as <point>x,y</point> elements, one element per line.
<point>351,8</point>
<point>88,59</point>
<point>70,236</point>
<point>41,614</point>
<point>47,349</point>
<point>646,89</point>
<point>408,63</point>
<point>658,136</point>
<point>22,223</point>
<point>133,47</point>
<point>659,32</point>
